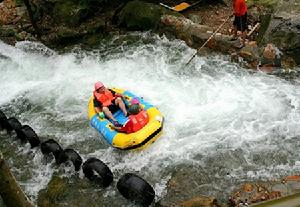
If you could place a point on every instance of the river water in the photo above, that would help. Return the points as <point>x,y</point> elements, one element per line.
<point>223,125</point>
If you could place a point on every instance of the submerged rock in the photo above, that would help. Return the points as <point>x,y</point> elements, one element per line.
<point>54,193</point>
<point>71,191</point>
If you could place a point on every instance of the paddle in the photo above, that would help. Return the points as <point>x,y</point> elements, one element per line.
<point>182,6</point>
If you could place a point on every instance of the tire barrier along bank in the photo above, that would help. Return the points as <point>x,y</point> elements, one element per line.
<point>131,186</point>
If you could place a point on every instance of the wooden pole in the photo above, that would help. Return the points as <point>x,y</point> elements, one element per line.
<point>253,29</point>
<point>10,191</point>
<point>208,40</point>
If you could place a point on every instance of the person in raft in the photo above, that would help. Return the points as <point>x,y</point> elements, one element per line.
<point>240,20</point>
<point>107,102</point>
<point>138,118</point>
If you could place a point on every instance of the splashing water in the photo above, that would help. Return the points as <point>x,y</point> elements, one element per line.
<point>219,118</point>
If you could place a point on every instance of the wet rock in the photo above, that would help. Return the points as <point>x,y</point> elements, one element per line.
<point>202,201</point>
<point>251,193</point>
<point>257,192</point>
<point>96,27</point>
<point>270,58</point>
<point>183,180</point>
<point>54,193</point>
<point>284,29</point>
<point>21,36</point>
<point>7,31</point>
<point>7,11</point>
<point>70,13</point>
<point>195,18</point>
<point>138,15</point>
<point>250,54</point>
<point>71,191</point>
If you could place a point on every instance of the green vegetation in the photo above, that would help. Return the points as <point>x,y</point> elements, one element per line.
<point>267,3</point>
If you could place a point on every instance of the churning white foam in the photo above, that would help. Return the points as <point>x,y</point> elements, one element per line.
<point>208,105</point>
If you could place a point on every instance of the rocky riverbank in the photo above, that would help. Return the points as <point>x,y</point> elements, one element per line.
<point>61,23</point>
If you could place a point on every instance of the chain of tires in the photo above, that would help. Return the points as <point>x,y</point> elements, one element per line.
<point>131,186</point>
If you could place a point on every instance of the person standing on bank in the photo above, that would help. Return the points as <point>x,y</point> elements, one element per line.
<point>240,20</point>
<point>107,102</point>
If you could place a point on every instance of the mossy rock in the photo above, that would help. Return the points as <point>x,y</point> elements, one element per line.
<point>55,191</point>
<point>139,15</point>
<point>66,35</point>
<point>96,27</point>
<point>56,188</point>
<point>70,13</point>
<point>70,191</point>
<point>93,40</point>
<point>7,31</point>
<point>19,2</point>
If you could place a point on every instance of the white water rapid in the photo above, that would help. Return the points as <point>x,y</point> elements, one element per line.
<point>229,124</point>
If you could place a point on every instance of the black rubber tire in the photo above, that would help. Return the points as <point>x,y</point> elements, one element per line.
<point>92,165</point>
<point>51,146</point>
<point>29,134</point>
<point>14,125</point>
<point>71,155</point>
<point>136,189</point>
<point>3,121</point>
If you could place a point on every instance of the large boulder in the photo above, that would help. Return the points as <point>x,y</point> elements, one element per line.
<point>69,13</point>
<point>284,29</point>
<point>138,15</point>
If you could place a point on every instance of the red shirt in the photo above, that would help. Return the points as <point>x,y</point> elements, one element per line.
<point>240,7</point>
<point>127,127</point>
<point>135,122</point>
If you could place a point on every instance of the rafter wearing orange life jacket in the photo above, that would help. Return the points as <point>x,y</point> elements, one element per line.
<point>106,98</point>
<point>135,122</point>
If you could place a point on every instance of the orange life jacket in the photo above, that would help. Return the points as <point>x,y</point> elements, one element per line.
<point>138,121</point>
<point>105,98</point>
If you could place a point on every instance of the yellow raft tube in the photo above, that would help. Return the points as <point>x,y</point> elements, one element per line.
<point>140,139</point>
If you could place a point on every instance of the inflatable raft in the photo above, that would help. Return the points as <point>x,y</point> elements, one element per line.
<point>140,139</point>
